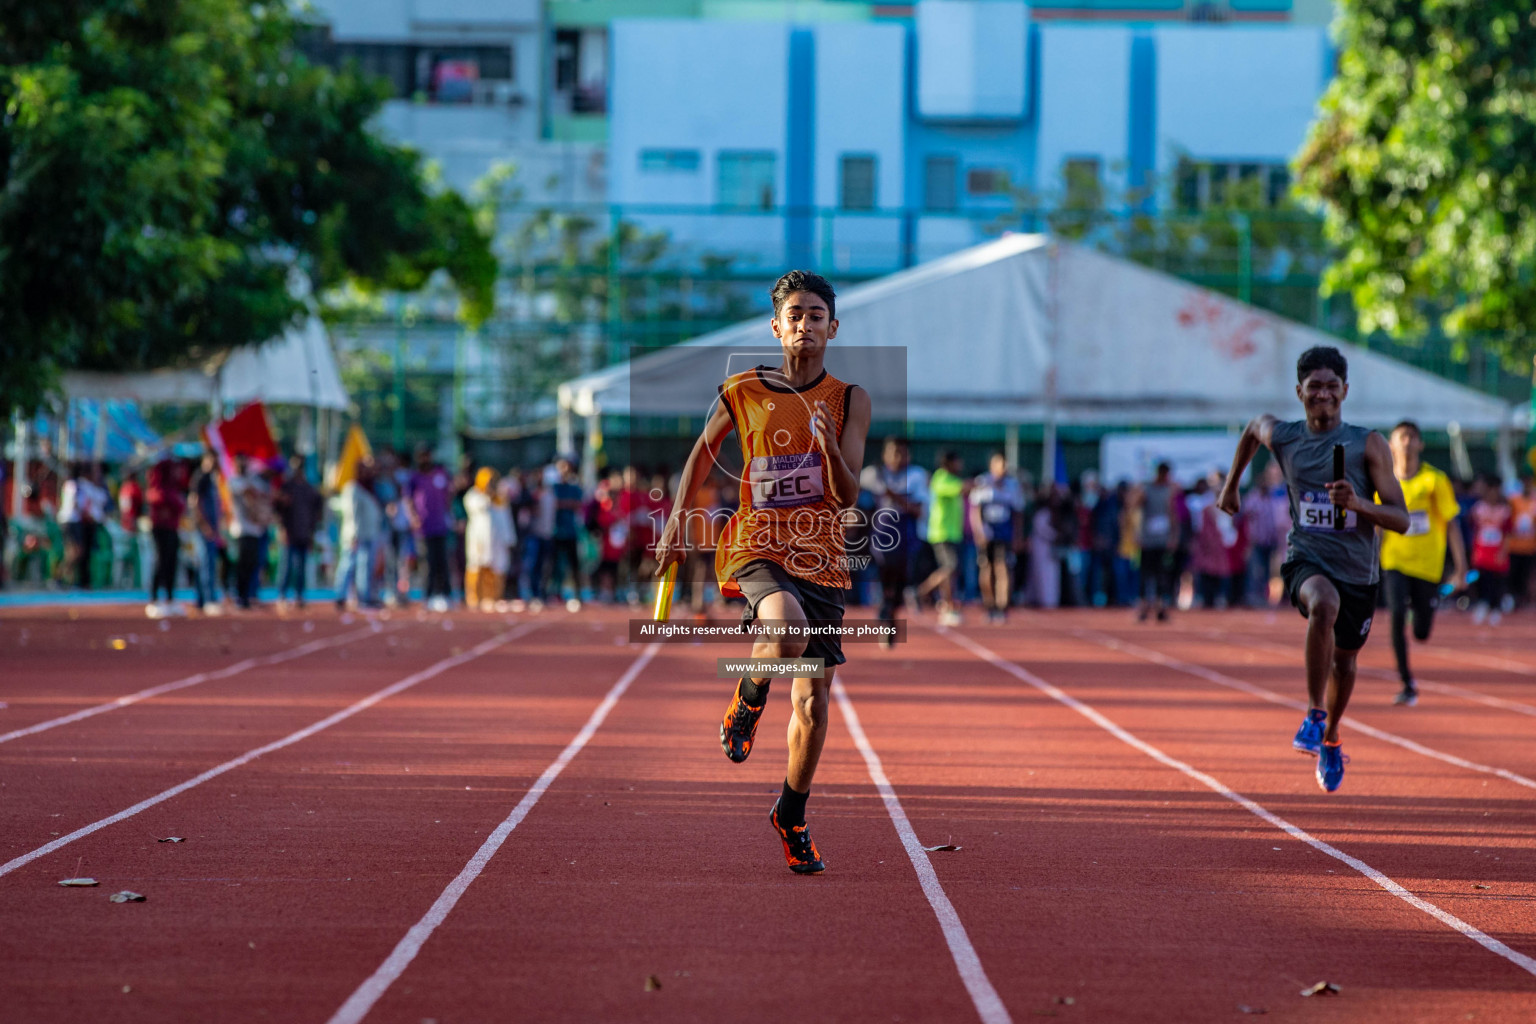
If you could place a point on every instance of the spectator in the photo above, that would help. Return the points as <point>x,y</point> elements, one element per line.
<point>1522,541</point>
<point>1219,551</point>
<point>565,546</point>
<point>166,505</point>
<point>946,530</point>
<point>1101,529</point>
<point>362,526</point>
<point>300,510</point>
<point>901,493</point>
<point>207,518</point>
<point>1491,521</point>
<point>1159,542</point>
<point>1045,532</point>
<point>133,517</point>
<point>1266,519</point>
<point>997,523</point>
<point>251,501</point>
<point>612,528</point>
<point>1128,549</point>
<point>488,537</point>
<point>430,494</point>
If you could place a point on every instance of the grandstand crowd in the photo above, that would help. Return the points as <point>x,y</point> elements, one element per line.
<point>406,528</point>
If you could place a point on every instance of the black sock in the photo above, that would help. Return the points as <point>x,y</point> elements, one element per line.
<point>754,694</point>
<point>792,806</point>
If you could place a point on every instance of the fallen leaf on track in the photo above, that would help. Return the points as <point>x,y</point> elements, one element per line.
<point>1478,885</point>
<point>81,882</point>
<point>1065,1000</point>
<point>943,848</point>
<point>171,839</point>
<point>1250,1009</point>
<point>1322,988</point>
<point>127,897</point>
<point>652,983</point>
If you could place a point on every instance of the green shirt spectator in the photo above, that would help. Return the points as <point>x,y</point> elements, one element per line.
<point>946,517</point>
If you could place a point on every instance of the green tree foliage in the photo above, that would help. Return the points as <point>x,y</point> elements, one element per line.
<point>164,169</point>
<point>1422,159</point>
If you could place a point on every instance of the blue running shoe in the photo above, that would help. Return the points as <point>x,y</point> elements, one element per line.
<point>1309,738</point>
<point>1330,766</point>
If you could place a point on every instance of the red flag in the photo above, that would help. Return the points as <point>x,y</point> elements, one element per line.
<point>247,432</point>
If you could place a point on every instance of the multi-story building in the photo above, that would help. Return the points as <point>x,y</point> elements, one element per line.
<point>862,138</point>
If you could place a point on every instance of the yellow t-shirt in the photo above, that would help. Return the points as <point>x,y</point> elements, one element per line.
<point>1431,506</point>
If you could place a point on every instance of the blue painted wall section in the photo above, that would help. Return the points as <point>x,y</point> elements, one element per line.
<point>800,160</point>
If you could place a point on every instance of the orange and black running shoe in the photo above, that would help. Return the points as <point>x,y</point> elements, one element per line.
<point>739,727</point>
<point>799,849</point>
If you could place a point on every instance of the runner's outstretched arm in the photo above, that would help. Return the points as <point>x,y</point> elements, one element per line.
<point>845,458</point>
<point>1258,432</point>
<point>701,461</point>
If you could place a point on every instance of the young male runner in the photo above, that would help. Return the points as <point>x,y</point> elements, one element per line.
<point>1330,568</point>
<point>802,435</point>
<point>1413,563</point>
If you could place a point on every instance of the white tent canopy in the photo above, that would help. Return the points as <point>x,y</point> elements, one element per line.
<point>1029,329</point>
<point>298,368</point>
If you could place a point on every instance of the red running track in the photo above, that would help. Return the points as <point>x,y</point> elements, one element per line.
<point>1087,766</point>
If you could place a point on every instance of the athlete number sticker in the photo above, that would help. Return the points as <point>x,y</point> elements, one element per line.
<point>1418,524</point>
<point>1317,512</point>
<point>784,481</point>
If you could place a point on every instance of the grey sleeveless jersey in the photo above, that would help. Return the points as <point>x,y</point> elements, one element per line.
<point>1348,555</point>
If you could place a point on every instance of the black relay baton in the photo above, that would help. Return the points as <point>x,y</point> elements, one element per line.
<point>1340,513</point>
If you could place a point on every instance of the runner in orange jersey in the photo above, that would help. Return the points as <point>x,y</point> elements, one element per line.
<point>802,435</point>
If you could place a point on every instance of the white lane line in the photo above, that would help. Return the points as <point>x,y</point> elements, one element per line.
<point>360,1002</point>
<point>246,758</point>
<point>1377,673</point>
<point>989,1006</point>
<point>1488,942</point>
<point>181,684</point>
<point>1221,679</point>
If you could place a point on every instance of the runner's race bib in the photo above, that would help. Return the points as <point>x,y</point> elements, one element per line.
<point>1317,512</point>
<point>1525,525</point>
<point>1418,524</point>
<point>996,513</point>
<point>1490,536</point>
<point>784,481</point>
<point>1157,526</point>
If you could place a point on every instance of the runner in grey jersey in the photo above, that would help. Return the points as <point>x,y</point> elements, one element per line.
<point>1330,564</point>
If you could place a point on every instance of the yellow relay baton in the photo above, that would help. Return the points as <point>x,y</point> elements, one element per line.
<point>664,594</point>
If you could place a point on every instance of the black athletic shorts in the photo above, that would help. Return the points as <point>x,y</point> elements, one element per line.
<point>821,604</point>
<point>1357,603</point>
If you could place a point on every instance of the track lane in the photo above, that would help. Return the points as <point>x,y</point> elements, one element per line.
<point>321,854</point>
<point>652,855</point>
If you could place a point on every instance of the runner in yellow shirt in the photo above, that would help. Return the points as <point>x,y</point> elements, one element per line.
<point>1413,563</point>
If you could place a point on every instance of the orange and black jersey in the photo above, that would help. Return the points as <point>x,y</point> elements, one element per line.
<point>787,514</point>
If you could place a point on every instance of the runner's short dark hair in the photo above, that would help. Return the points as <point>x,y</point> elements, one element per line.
<point>803,281</point>
<point>1409,425</point>
<point>897,442</point>
<point>1322,357</point>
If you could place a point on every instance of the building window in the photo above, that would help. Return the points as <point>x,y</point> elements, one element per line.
<point>856,181</point>
<point>986,181</point>
<point>441,73</point>
<point>673,161</point>
<point>1200,184</point>
<point>940,180</point>
<point>1085,190</point>
<point>746,180</point>
<point>581,70</point>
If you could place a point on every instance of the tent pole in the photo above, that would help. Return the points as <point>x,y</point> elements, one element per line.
<point>1048,445</point>
<point>100,452</point>
<point>19,476</point>
<point>1011,446</point>
<point>1506,455</point>
<point>565,430</point>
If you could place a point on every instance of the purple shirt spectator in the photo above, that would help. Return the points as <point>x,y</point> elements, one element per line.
<point>430,494</point>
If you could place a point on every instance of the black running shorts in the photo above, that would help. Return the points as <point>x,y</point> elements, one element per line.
<point>820,604</point>
<point>1357,603</point>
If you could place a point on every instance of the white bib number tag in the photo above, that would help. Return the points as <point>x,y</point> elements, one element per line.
<point>1317,512</point>
<point>1525,525</point>
<point>1157,526</point>
<point>1418,524</point>
<point>1490,536</point>
<point>996,513</point>
<point>784,481</point>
